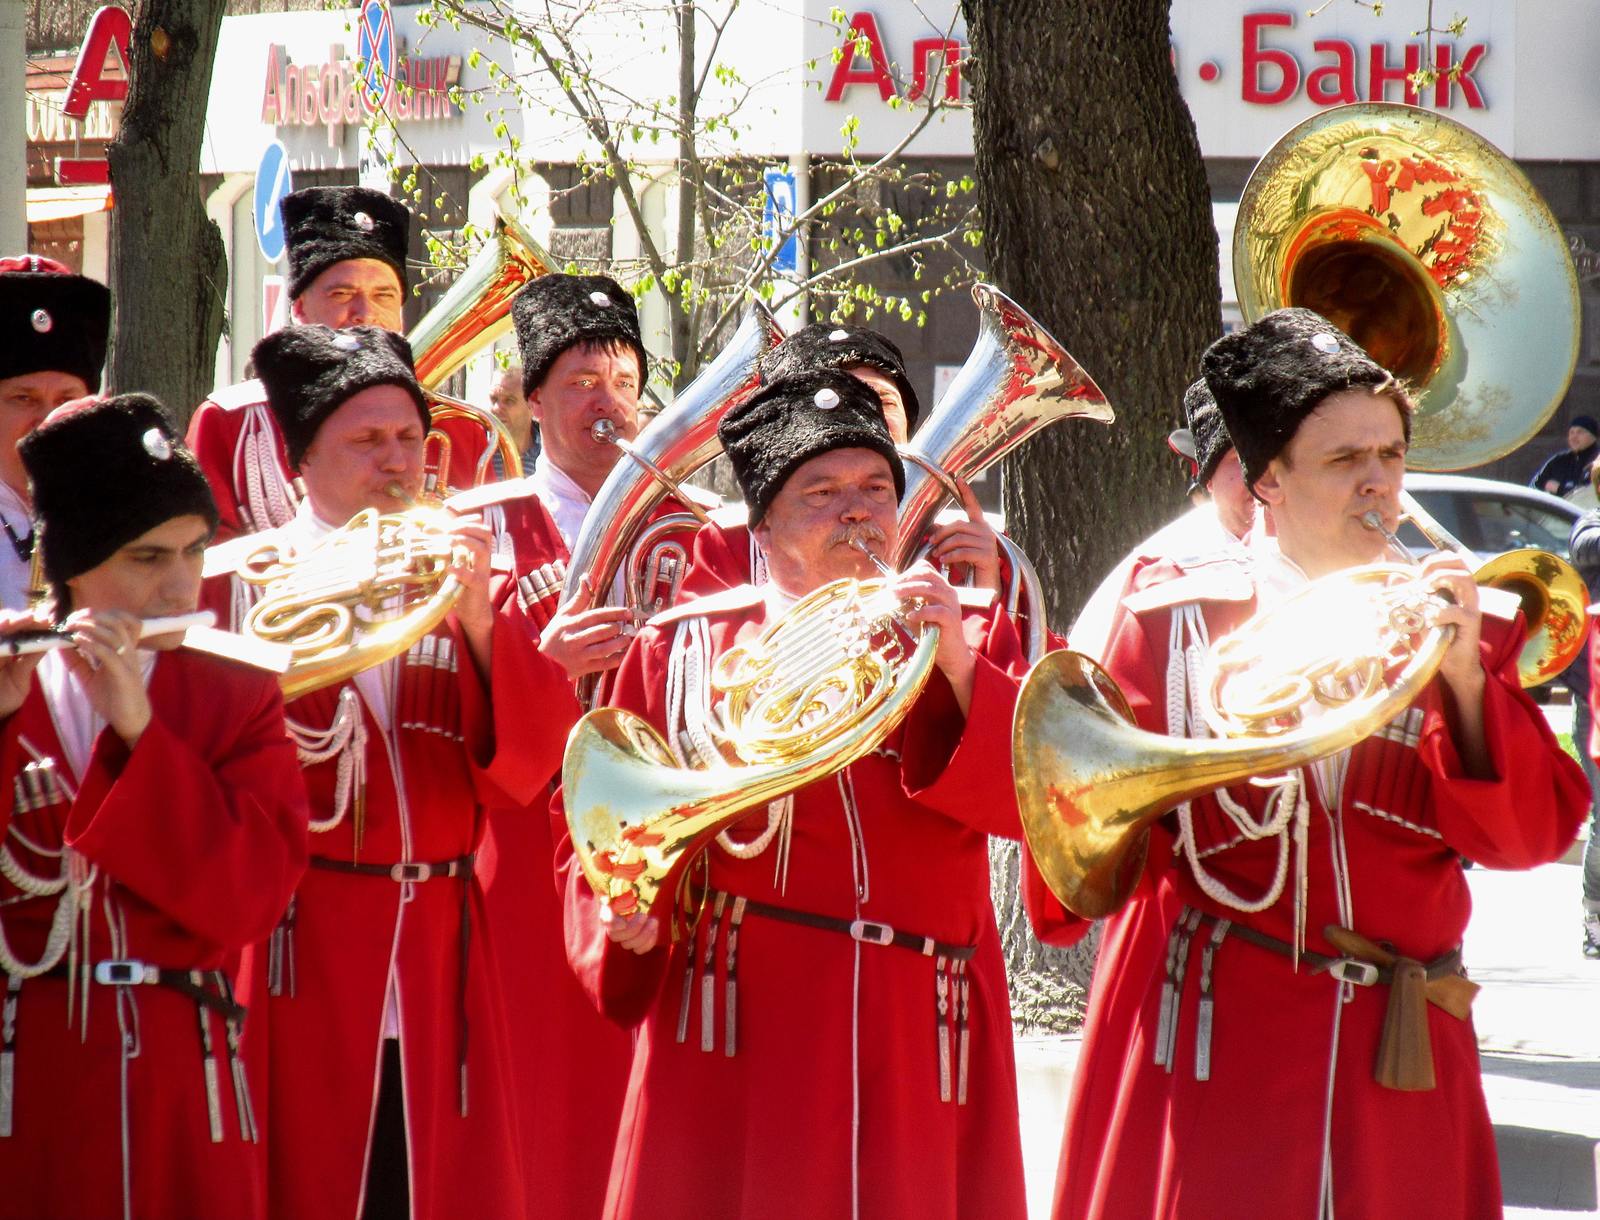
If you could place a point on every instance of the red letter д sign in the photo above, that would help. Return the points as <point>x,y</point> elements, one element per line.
<point>110,26</point>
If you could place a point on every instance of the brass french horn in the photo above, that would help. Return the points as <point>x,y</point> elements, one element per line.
<point>1321,671</point>
<point>818,690</point>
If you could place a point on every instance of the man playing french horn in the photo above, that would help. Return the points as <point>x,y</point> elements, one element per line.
<point>1286,982</point>
<point>825,991</point>
<point>380,971</point>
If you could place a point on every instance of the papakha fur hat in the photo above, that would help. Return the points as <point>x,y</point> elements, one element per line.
<point>555,312</point>
<point>324,225</point>
<point>829,345</point>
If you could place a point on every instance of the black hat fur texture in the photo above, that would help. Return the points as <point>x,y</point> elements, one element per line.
<point>555,312</point>
<point>788,422</point>
<point>103,474</point>
<point>311,371</point>
<point>829,345</point>
<point>324,225</point>
<point>54,323</point>
<point>1211,439</point>
<point>1269,376</point>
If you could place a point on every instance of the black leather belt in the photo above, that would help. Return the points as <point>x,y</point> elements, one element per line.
<point>868,931</point>
<point>406,870</point>
<point>131,972</point>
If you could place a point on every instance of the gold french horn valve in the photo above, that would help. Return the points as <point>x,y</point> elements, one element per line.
<point>814,692</point>
<point>362,594</point>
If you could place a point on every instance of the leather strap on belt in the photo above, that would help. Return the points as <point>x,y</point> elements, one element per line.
<point>1405,1050</point>
<point>867,931</point>
<point>406,870</point>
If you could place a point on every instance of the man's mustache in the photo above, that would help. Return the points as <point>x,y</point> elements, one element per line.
<point>849,535</point>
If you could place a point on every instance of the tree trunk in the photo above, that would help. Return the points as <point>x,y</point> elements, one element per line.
<point>169,273</point>
<point>1097,219</point>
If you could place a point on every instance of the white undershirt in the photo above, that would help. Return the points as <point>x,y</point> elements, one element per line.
<point>563,499</point>
<point>77,724</point>
<point>14,570</point>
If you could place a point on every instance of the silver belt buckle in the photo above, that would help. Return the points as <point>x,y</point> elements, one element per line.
<point>1353,970</point>
<point>411,872</point>
<point>872,933</point>
<point>125,971</point>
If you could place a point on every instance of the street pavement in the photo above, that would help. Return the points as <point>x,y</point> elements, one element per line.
<point>1538,1021</point>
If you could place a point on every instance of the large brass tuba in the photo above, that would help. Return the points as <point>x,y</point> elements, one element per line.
<point>1430,248</point>
<point>471,315</point>
<point>1324,669</point>
<point>1016,380</point>
<point>674,445</point>
<point>818,690</point>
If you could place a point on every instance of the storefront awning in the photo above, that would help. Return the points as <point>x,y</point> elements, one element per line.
<point>47,203</point>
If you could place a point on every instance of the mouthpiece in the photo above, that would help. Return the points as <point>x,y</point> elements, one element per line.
<point>603,430</point>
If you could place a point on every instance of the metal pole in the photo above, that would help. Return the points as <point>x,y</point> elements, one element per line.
<point>13,132</point>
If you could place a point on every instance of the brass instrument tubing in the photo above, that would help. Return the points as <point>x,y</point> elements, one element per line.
<point>605,430</point>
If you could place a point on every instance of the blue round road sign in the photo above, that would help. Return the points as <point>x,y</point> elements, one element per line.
<point>375,48</point>
<point>273,182</point>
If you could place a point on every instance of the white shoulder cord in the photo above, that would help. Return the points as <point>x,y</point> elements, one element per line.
<point>270,499</point>
<point>1287,804</point>
<point>346,737</point>
<point>689,721</point>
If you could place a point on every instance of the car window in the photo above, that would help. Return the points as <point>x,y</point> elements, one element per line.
<point>1443,507</point>
<point>1506,525</point>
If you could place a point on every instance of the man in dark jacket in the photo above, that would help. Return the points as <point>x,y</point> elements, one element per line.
<point>1585,547</point>
<point>1570,468</point>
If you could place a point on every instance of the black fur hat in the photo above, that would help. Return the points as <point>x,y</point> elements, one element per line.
<point>828,345</point>
<point>52,321</point>
<point>103,473</point>
<point>310,371</point>
<point>788,422</point>
<point>1211,439</point>
<point>1268,377</point>
<point>554,312</point>
<point>324,225</point>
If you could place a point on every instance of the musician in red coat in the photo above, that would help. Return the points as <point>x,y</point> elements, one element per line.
<point>725,552</point>
<point>388,1057</point>
<point>157,826</point>
<point>1219,1076</point>
<point>833,1036</point>
<point>347,267</point>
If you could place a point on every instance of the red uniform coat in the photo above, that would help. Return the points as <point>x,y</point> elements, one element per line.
<point>198,836</point>
<point>570,1065</point>
<point>454,751</point>
<point>1142,1141</point>
<point>236,440</point>
<point>834,1088</point>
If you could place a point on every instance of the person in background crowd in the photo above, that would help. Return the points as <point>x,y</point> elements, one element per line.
<point>53,331</point>
<point>1580,678</point>
<point>510,407</point>
<point>1569,469</point>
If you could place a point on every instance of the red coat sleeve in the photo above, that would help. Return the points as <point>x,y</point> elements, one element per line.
<point>514,719</point>
<point>217,843</point>
<point>961,766</point>
<point>720,560</point>
<point>1530,814</point>
<point>621,984</point>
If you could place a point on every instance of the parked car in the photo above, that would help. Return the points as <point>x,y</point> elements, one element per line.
<point>1490,517</point>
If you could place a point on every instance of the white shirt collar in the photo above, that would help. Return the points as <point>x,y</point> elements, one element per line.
<point>14,570</point>
<point>76,722</point>
<point>562,498</point>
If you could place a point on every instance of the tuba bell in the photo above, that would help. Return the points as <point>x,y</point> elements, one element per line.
<point>1016,380</point>
<point>1325,668</point>
<point>818,690</point>
<point>1430,248</point>
<point>471,315</point>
